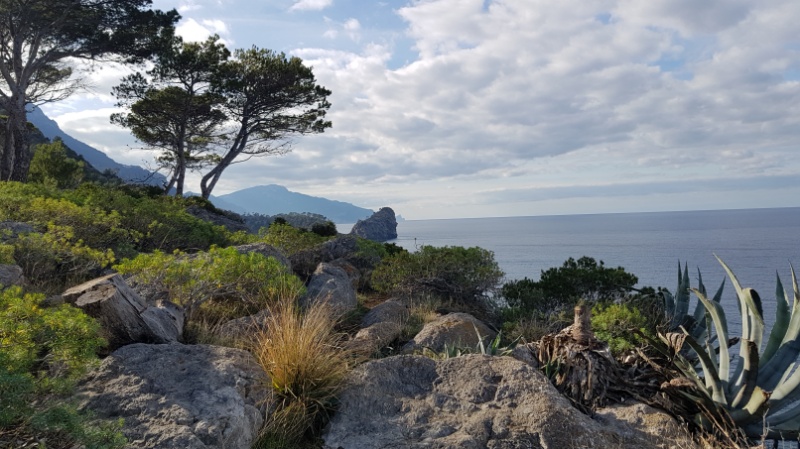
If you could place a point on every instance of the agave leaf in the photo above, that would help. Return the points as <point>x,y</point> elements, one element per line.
<point>681,297</point>
<point>754,409</point>
<point>749,376</point>
<point>721,328</point>
<point>780,364</point>
<point>710,373</point>
<point>700,314</point>
<point>782,315</point>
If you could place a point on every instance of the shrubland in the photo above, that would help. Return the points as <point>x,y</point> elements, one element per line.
<point>83,231</point>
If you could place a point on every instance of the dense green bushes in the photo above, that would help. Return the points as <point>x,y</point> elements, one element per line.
<point>288,239</point>
<point>451,272</point>
<point>215,285</point>
<point>44,351</point>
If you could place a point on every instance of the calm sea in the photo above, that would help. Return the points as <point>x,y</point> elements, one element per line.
<point>755,243</point>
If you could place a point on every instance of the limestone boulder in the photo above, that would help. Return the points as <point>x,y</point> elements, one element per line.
<point>380,227</point>
<point>243,328</point>
<point>175,396</point>
<point>330,284</point>
<point>454,330</point>
<point>372,339</point>
<point>11,229</point>
<point>388,311</point>
<point>11,275</point>
<point>305,262</point>
<point>124,316</point>
<point>473,401</point>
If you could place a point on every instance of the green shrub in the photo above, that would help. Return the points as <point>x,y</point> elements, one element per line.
<point>326,229</point>
<point>585,279</point>
<point>216,285</point>
<point>288,239</point>
<point>6,254</point>
<point>463,275</point>
<point>44,352</point>
<point>52,166</point>
<point>616,324</point>
<point>55,259</point>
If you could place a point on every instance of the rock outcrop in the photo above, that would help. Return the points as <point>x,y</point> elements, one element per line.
<point>305,262</point>
<point>11,275</point>
<point>11,229</point>
<point>176,396</point>
<point>454,330</point>
<point>330,284</point>
<point>124,315</point>
<point>473,401</point>
<point>380,227</point>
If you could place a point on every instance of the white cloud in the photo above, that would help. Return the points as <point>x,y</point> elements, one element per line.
<point>310,5</point>
<point>193,31</point>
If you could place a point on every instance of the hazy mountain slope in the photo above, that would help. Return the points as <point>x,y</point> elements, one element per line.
<point>274,199</point>
<point>96,158</point>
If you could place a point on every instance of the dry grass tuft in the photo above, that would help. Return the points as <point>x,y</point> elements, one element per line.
<point>303,355</point>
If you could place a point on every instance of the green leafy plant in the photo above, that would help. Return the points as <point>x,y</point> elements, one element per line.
<point>617,325</point>
<point>288,239</point>
<point>759,393</point>
<point>43,352</point>
<point>455,273</point>
<point>51,165</point>
<point>217,285</point>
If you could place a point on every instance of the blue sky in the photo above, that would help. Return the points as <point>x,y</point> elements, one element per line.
<point>470,108</point>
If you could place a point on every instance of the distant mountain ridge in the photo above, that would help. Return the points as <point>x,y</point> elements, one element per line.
<point>95,157</point>
<point>273,199</point>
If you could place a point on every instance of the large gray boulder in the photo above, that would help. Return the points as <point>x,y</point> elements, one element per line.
<point>380,227</point>
<point>330,285</point>
<point>178,396</point>
<point>473,401</point>
<point>454,330</point>
<point>305,262</point>
<point>388,311</point>
<point>124,316</point>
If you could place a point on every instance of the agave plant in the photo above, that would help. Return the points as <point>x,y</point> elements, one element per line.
<point>760,393</point>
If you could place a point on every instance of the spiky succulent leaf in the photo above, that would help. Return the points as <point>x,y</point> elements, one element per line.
<point>721,328</point>
<point>782,316</point>
<point>709,372</point>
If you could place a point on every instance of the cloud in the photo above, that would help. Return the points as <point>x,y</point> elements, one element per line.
<point>310,5</point>
<point>193,31</point>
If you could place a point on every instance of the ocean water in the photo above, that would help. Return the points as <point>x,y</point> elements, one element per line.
<point>755,243</point>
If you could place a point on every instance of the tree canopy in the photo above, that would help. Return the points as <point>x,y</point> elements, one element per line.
<point>39,37</point>
<point>174,107</point>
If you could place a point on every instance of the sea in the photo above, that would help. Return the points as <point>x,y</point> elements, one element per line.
<point>756,244</point>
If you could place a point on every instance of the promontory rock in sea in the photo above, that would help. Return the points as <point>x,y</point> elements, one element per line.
<point>380,227</point>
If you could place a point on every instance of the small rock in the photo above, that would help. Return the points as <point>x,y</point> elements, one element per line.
<point>388,311</point>
<point>330,285</point>
<point>11,275</point>
<point>454,330</point>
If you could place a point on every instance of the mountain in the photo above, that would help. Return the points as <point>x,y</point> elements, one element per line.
<point>274,199</point>
<point>98,159</point>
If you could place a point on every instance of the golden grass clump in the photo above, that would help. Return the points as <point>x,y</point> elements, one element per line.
<point>303,354</point>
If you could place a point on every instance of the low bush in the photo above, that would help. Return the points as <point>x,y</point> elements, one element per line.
<point>303,355</point>
<point>6,254</point>
<point>617,324</point>
<point>56,259</point>
<point>217,285</point>
<point>44,352</point>
<point>288,239</point>
<point>463,275</point>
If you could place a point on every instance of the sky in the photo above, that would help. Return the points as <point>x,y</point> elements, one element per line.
<point>483,108</point>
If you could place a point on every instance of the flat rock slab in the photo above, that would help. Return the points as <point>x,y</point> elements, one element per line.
<point>474,401</point>
<point>176,396</point>
<point>454,330</point>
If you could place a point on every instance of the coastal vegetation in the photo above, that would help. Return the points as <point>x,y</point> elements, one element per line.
<point>68,236</point>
